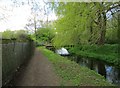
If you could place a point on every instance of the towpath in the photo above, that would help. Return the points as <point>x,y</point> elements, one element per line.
<point>38,72</point>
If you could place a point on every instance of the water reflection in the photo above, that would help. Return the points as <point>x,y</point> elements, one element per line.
<point>101,69</point>
<point>111,73</point>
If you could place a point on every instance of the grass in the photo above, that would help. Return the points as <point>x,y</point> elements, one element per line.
<point>71,73</point>
<point>107,53</point>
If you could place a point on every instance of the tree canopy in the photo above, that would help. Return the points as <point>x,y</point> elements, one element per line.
<point>81,23</point>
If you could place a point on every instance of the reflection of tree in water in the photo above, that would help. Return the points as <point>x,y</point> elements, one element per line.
<point>113,74</point>
<point>101,69</point>
<point>109,73</point>
<point>78,58</point>
<point>116,75</point>
<point>119,76</point>
<point>90,64</point>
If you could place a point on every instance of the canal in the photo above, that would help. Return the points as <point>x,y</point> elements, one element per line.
<point>111,73</point>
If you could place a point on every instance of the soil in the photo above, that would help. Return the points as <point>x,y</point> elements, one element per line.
<point>37,72</point>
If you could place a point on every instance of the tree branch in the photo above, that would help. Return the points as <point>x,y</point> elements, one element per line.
<point>113,7</point>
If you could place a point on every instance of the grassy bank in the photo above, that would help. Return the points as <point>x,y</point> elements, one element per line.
<point>107,53</point>
<point>71,73</point>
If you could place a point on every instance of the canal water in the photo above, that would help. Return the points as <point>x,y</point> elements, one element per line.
<point>111,73</point>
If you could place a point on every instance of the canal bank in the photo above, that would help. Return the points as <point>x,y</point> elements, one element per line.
<point>107,53</point>
<point>71,73</point>
<point>110,72</point>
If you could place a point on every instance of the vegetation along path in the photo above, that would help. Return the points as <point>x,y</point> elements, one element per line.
<point>56,70</point>
<point>38,72</point>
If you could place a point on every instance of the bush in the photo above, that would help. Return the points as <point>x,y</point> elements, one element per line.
<point>19,35</point>
<point>45,35</point>
<point>107,52</point>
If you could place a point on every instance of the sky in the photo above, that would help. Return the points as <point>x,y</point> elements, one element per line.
<point>15,18</point>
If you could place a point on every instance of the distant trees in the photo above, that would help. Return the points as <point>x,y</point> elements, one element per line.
<point>21,35</point>
<point>18,34</point>
<point>45,35</point>
<point>8,34</point>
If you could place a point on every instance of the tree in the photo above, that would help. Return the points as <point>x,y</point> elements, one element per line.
<point>71,24</point>
<point>82,22</point>
<point>8,34</point>
<point>18,34</point>
<point>45,35</point>
<point>112,29</point>
<point>21,35</point>
<point>103,8</point>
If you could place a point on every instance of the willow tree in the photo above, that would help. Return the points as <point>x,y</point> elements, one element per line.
<point>81,23</point>
<point>71,26</point>
<point>101,20</point>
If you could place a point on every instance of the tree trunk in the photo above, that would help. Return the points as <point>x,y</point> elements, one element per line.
<point>35,28</point>
<point>118,39</point>
<point>91,31</point>
<point>102,28</point>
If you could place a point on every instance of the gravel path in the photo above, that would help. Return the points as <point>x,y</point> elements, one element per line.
<point>37,72</point>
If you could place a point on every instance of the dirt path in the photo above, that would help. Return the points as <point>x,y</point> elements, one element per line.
<point>38,72</point>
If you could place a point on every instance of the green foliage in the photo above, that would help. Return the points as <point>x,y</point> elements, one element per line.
<point>19,35</point>
<point>72,74</point>
<point>8,34</point>
<point>71,26</point>
<point>45,35</point>
<point>112,30</point>
<point>107,53</point>
<point>81,23</point>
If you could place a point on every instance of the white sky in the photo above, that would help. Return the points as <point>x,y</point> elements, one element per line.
<point>17,17</point>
